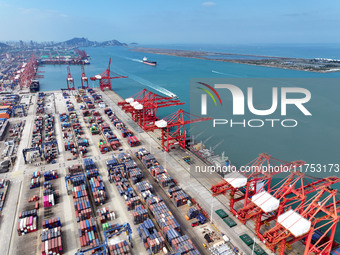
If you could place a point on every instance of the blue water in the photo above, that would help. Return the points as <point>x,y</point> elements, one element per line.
<point>317,143</point>
<point>174,73</point>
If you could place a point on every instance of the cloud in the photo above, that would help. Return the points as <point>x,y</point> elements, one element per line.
<point>208,4</point>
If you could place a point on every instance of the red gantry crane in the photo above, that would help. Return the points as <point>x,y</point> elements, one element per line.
<point>144,106</point>
<point>81,54</point>
<point>173,128</point>
<point>265,206</point>
<point>29,72</point>
<point>251,178</point>
<point>84,79</point>
<point>105,78</point>
<point>321,212</point>
<point>127,103</point>
<point>69,80</point>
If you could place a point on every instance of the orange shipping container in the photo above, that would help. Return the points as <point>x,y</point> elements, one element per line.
<point>5,107</point>
<point>4,115</point>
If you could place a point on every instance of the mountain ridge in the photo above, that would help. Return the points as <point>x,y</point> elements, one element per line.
<point>84,42</point>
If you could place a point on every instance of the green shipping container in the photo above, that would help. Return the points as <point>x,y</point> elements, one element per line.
<point>230,222</point>
<point>221,213</point>
<point>246,239</point>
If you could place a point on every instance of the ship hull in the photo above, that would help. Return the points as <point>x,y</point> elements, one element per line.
<point>150,63</point>
<point>35,86</point>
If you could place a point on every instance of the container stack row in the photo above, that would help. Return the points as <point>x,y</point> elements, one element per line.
<point>78,133</point>
<point>40,103</point>
<point>69,106</point>
<point>74,169</point>
<point>81,200</point>
<point>104,214</point>
<point>28,222</point>
<point>87,231</point>
<point>3,192</point>
<point>140,214</point>
<point>88,102</point>
<point>51,175</point>
<point>51,241</point>
<point>110,139</point>
<point>153,241</point>
<point>163,178</point>
<point>121,247</point>
<point>124,169</point>
<point>37,131</point>
<point>68,138</point>
<point>96,98</point>
<point>96,183</point>
<point>50,148</point>
<point>11,100</point>
<point>126,133</point>
<point>35,180</point>
<point>49,195</point>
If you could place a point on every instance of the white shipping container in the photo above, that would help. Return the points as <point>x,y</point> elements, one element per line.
<point>34,223</point>
<point>21,225</point>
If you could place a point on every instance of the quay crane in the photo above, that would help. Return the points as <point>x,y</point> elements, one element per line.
<point>244,185</point>
<point>84,79</point>
<point>265,206</point>
<point>144,106</point>
<point>173,128</point>
<point>105,78</point>
<point>69,80</point>
<point>321,212</point>
<point>285,205</point>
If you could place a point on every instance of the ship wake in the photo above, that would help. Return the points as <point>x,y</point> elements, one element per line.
<point>147,83</point>
<point>134,59</point>
<point>226,74</point>
<point>151,85</point>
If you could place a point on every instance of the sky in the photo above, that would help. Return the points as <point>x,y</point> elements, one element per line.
<point>172,21</point>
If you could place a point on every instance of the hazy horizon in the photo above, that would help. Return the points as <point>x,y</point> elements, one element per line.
<point>173,22</point>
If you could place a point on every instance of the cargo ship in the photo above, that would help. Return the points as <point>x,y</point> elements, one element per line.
<point>208,155</point>
<point>35,86</point>
<point>151,63</point>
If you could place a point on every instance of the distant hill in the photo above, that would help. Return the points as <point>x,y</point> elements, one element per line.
<point>84,42</point>
<point>78,42</point>
<point>112,43</point>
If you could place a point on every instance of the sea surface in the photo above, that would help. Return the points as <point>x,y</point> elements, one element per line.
<point>316,142</point>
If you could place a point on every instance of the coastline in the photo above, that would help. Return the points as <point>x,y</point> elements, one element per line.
<point>298,64</point>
